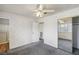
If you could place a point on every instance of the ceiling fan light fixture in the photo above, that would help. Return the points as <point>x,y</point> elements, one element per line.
<point>39,14</point>
<point>41,11</point>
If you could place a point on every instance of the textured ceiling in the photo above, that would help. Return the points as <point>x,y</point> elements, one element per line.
<point>27,9</point>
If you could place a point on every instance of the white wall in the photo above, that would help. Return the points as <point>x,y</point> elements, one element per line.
<point>40,27</point>
<point>50,31</point>
<point>20,29</point>
<point>50,25</point>
<point>35,30</point>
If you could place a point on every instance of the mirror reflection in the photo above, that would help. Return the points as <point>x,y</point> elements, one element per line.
<point>65,34</point>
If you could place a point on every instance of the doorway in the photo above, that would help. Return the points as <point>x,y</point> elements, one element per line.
<point>4,35</point>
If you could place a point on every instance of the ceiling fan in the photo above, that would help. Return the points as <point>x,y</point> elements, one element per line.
<point>40,11</point>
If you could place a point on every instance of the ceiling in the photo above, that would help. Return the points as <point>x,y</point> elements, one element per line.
<point>27,9</point>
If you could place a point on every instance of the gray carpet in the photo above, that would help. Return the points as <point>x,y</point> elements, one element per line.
<point>37,48</point>
<point>65,44</point>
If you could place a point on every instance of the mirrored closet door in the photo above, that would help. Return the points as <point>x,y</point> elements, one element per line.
<point>65,34</point>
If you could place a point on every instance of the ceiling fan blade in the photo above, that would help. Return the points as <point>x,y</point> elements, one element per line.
<point>40,7</point>
<point>48,10</point>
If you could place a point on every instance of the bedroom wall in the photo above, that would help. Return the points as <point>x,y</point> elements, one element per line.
<point>20,29</point>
